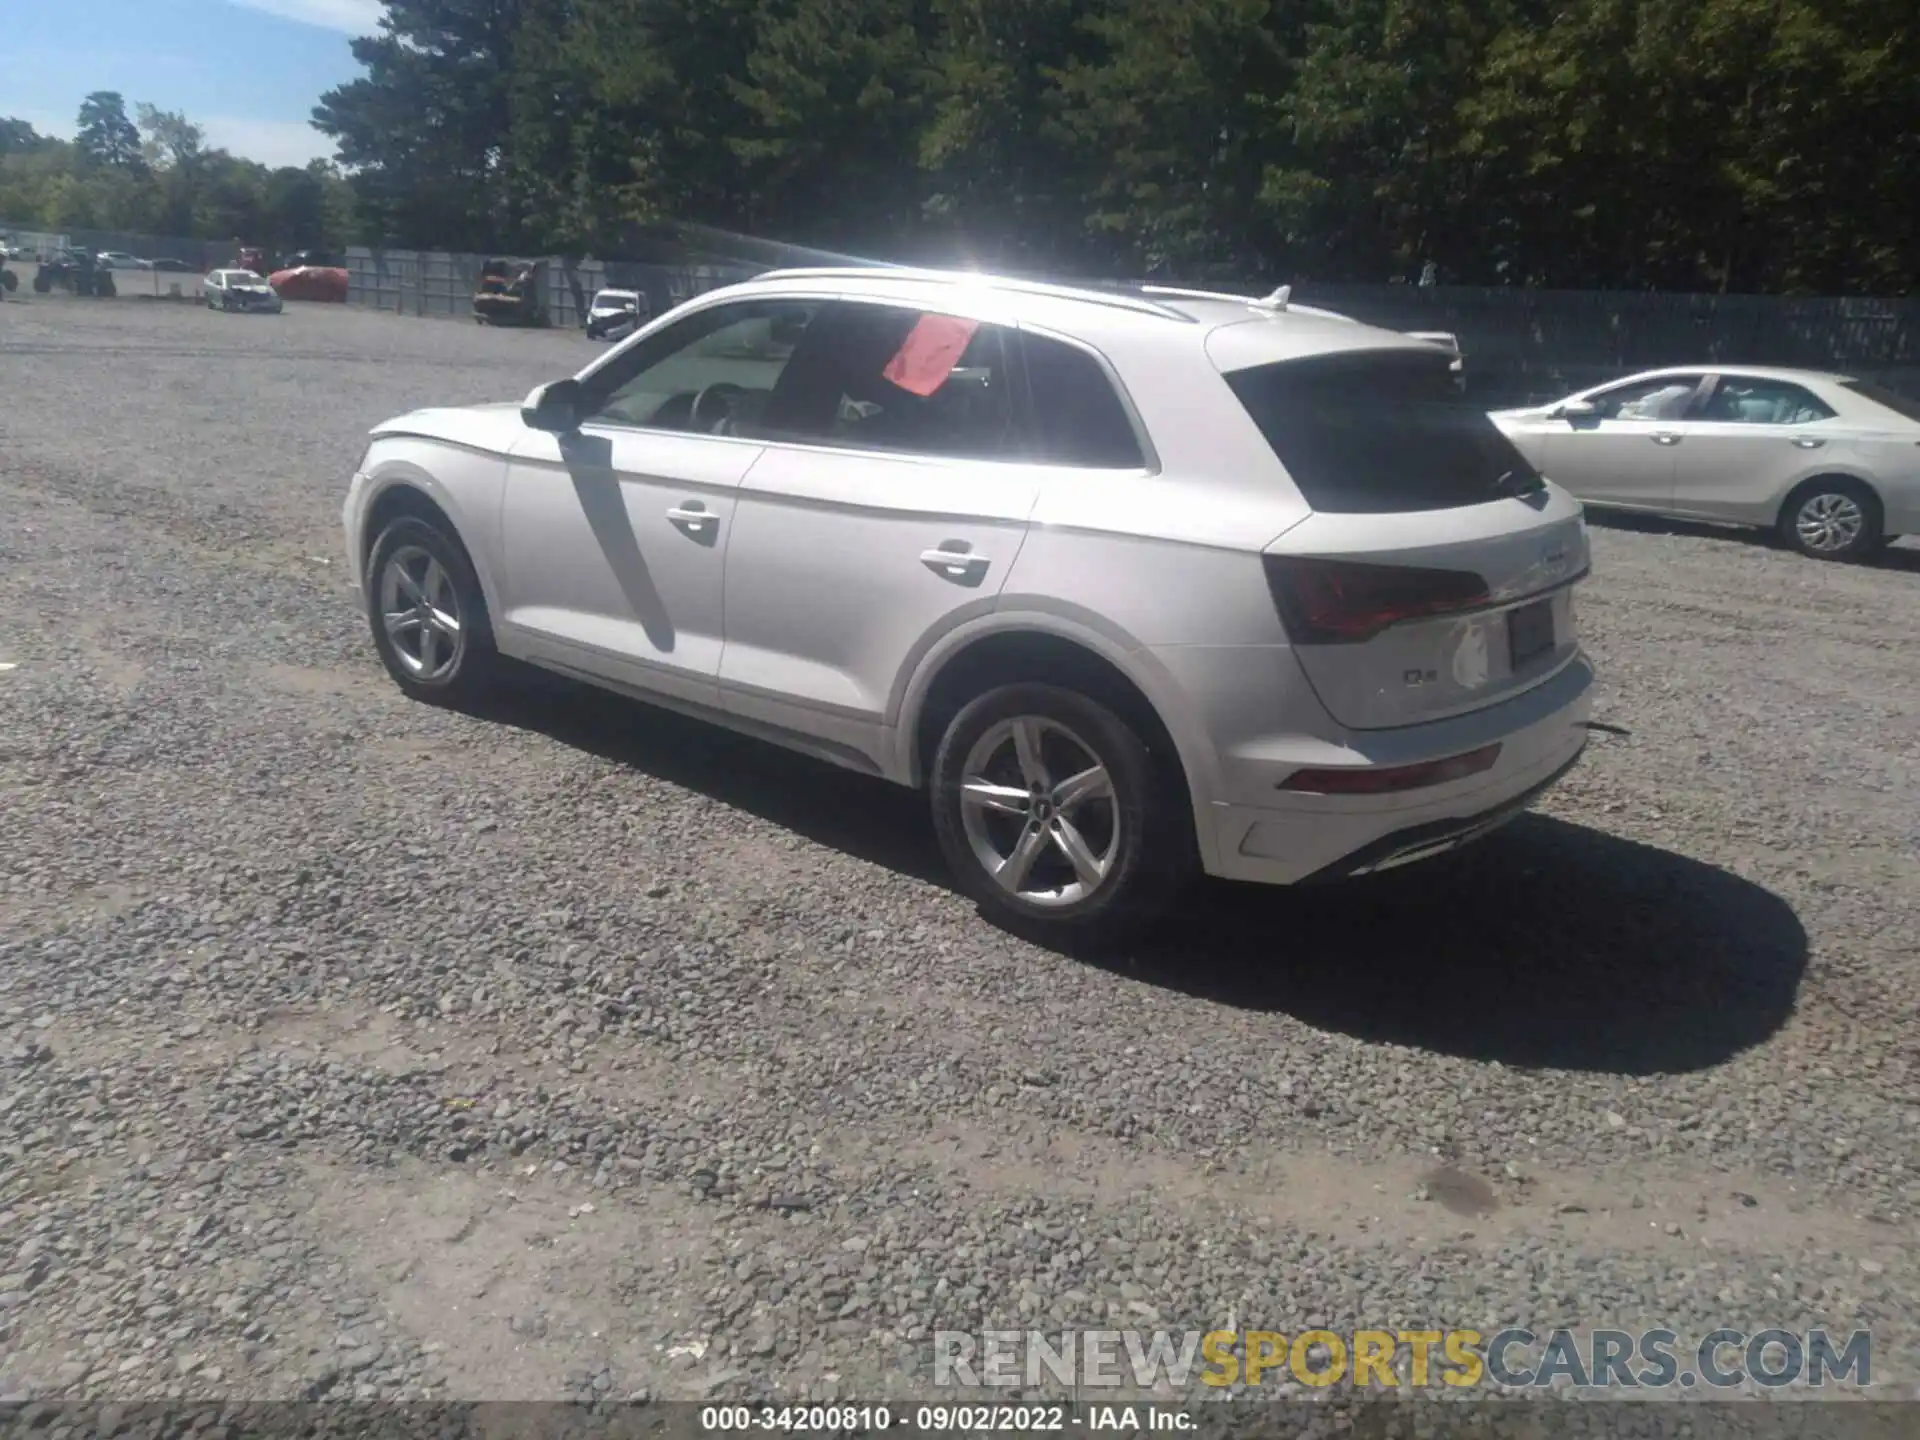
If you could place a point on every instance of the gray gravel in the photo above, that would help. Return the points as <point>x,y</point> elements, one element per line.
<point>355,1049</point>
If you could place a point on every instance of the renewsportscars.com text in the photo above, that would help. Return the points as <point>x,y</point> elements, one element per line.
<point>1403,1359</point>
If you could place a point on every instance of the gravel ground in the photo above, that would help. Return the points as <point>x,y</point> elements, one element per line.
<point>352,1048</point>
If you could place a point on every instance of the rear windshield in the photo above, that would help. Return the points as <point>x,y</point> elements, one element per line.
<point>1385,430</point>
<point>1880,395</point>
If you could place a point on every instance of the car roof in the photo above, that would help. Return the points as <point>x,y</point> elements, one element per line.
<point>1749,372</point>
<point>1236,330</point>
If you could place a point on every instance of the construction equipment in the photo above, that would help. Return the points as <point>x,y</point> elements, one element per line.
<point>75,270</point>
<point>511,292</point>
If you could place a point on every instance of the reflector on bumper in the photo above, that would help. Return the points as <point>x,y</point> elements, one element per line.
<point>1348,780</point>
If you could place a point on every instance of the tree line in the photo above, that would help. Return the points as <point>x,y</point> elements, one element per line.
<point>152,173</point>
<point>1722,145</point>
<point>1726,145</point>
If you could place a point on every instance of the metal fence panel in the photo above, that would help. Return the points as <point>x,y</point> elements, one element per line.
<point>1526,345</point>
<point>1521,345</point>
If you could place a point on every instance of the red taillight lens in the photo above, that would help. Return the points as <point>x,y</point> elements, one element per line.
<point>1345,781</point>
<point>1343,602</point>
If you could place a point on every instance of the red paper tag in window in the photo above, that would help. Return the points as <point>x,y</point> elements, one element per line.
<point>929,353</point>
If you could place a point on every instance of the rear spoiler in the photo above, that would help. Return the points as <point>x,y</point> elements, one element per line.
<point>1447,341</point>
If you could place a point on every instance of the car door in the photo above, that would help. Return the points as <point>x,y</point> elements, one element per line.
<point>1750,440</point>
<point>888,506</point>
<point>1623,454</point>
<point>616,535</point>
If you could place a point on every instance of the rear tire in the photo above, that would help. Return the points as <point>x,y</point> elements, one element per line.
<point>1040,853</point>
<point>428,615</point>
<point>1833,518</point>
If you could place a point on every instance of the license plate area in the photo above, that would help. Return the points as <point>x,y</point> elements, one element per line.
<point>1529,633</point>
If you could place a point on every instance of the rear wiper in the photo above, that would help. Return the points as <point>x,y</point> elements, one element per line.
<point>1505,484</point>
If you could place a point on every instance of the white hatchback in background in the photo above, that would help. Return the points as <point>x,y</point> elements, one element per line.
<point>1830,462</point>
<point>1132,583</point>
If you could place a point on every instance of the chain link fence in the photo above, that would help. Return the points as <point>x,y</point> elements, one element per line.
<point>1521,346</point>
<point>442,283</point>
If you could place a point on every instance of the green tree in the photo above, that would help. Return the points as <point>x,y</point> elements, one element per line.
<point>647,145</point>
<point>425,128</point>
<point>1371,184</point>
<point>835,93</point>
<point>106,136</point>
<point>17,137</point>
<point>1006,181</point>
<point>1176,116</point>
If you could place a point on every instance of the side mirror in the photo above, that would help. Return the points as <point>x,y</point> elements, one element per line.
<point>1573,410</point>
<point>554,407</point>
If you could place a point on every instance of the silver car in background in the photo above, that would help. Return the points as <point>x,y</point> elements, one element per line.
<point>240,290</point>
<point>1830,462</point>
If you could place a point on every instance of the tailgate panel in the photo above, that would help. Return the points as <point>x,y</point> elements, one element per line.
<point>1527,550</point>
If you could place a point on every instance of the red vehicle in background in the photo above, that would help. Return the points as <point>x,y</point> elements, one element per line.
<point>303,275</point>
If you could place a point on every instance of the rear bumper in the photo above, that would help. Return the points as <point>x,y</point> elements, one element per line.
<point>1435,837</point>
<point>1283,839</point>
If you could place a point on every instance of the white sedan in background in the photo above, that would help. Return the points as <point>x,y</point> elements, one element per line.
<point>240,290</point>
<point>1830,462</point>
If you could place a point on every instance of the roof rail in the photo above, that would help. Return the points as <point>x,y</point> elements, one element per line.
<point>1139,304</point>
<point>1270,304</point>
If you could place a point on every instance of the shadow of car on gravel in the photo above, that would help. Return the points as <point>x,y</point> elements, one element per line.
<point>1900,556</point>
<point>1547,944</point>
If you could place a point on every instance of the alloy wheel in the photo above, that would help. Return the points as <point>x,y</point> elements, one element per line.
<point>1039,811</point>
<point>1829,522</point>
<point>420,610</point>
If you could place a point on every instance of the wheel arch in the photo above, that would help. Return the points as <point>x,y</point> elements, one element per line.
<point>1053,651</point>
<point>405,489</point>
<point>1826,474</point>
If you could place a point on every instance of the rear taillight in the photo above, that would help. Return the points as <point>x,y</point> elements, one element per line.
<point>1354,781</point>
<point>1343,602</point>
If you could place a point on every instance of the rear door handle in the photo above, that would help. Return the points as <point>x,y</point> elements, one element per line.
<point>1665,437</point>
<point>956,563</point>
<point>1807,442</point>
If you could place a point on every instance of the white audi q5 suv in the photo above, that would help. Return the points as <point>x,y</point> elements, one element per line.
<point>1132,583</point>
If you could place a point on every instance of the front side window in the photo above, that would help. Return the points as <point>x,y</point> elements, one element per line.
<point>712,373</point>
<point>1662,398</point>
<point>1763,402</point>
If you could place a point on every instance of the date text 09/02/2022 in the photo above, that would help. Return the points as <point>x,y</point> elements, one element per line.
<point>941,1419</point>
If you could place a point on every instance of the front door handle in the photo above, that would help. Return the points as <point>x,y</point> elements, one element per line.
<point>1807,442</point>
<point>955,563</point>
<point>1665,437</point>
<point>694,518</point>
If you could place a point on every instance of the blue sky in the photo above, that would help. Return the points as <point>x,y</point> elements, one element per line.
<point>248,73</point>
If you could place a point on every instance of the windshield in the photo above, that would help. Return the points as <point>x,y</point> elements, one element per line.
<point>243,277</point>
<point>1366,432</point>
<point>1900,404</point>
<point>614,300</point>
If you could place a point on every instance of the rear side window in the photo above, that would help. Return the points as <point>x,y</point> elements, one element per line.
<point>882,377</point>
<point>1077,417</point>
<point>1894,400</point>
<point>1385,430</point>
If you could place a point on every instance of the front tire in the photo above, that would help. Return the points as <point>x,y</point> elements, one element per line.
<point>1833,519</point>
<point>1053,815</point>
<point>427,613</point>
